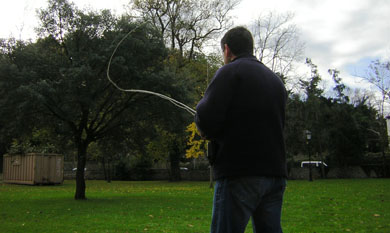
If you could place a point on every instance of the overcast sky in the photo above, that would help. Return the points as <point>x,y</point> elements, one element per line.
<point>341,34</point>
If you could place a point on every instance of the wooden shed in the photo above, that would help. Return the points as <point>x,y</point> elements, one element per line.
<point>33,168</point>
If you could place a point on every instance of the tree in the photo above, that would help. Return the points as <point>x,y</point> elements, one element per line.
<point>378,74</point>
<point>295,125</point>
<point>58,19</point>
<point>340,87</point>
<point>16,121</point>
<point>64,75</point>
<point>277,42</point>
<point>168,146</point>
<point>313,109</point>
<point>311,87</point>
<point>197,145</point>
<point>8,87</point>
<point>187,24</point>
<point>201,69</point>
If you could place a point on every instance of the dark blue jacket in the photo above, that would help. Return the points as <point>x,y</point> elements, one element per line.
<point>243,114</point>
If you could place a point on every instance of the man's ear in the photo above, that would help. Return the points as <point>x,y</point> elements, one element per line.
<point>228,52</point>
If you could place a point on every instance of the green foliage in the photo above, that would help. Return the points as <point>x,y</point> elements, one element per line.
<point>340,87</point>
<point>342,132</point>
<point>141,168</point>
<point>21,147</point>
<point>346,143</point>
<point>311,87</point>
<point>39,141</point>
<point>295,125</point>
<point>161,146</point>
<point>135,167</point>
<point>94,152</point>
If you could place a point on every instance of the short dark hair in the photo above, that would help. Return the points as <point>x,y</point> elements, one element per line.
<point>239,40</point>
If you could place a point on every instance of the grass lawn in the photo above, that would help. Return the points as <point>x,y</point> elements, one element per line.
<point>321,206</point>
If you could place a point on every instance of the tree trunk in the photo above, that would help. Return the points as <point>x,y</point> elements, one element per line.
<point>80,179</point>
<point>175,167</point>
<point>1,163</point>
<point>109,171</point>
<point>3,150</point>
<point>383,157</point>
<point>104,168</point>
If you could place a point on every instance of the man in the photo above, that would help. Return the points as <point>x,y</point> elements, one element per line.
<point>242,113</point>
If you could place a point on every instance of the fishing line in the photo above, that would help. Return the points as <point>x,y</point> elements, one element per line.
<point>173,101</point>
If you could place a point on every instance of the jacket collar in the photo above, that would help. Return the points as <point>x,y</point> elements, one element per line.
<point>244,56</point>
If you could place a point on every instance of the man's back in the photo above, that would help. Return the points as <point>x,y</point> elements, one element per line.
<point>243,111</point>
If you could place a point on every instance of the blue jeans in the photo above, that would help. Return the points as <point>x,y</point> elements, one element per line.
<point>238,199</point>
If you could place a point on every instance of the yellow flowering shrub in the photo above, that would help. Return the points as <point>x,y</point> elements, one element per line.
<point>197,145</point>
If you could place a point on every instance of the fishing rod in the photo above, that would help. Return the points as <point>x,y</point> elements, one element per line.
<point>173,101</point>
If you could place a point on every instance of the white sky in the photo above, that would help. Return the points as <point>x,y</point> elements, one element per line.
<point>341,34</point>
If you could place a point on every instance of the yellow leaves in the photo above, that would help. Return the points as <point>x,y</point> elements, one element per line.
<point>197,146</point>
<point>191,128</point>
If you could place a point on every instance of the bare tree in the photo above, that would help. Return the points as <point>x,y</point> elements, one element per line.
<point>378,74</point>
<point>277,42</point>
<point>187,24</point>
<point>58,20</point>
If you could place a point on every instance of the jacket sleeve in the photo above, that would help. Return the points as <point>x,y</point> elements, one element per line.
<point>212,109</point>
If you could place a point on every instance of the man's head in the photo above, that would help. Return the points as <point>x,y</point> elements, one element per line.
<point>236,42</point>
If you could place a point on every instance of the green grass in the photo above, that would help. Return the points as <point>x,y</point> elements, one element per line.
<point>319,206</point>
